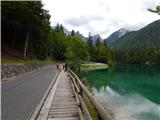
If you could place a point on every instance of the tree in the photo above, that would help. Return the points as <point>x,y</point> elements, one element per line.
<point>90,46</point>
<point>61,28</point>
<point>98,41</point>
<point>76,52</point>
<point>59,45</point>
<point>20,21</point>
<point>72,33</point>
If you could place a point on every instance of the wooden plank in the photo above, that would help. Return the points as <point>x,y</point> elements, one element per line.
<point>64,105</point>
<point>64,112</point>
<point>64,115</point>
<point>68,118</point>
<point>57,110</point>
<point>46,108</point>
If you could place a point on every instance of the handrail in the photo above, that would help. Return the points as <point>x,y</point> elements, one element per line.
<point>82,104</point>
<point>103,114</point>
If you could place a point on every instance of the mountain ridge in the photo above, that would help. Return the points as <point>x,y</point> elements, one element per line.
<point>146,36</point>
<point>115,35</point>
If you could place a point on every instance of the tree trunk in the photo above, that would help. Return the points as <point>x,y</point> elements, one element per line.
<point>14,37</point>
<point>26,45</point>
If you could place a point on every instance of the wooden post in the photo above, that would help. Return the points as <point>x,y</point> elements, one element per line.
<point>80,91</point>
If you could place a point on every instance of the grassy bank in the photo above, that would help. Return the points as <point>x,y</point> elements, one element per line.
<point>93,66</point>
<point>26,61</point>
<point>88,104</point>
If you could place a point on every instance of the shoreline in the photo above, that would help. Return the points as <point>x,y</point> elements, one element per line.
<point>93,66</point>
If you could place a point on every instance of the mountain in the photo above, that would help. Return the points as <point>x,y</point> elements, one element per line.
<point>115,35</point>
<point>67,32</point>
<point>147,36</point>
<point>95,38</point>
<point>81,36</point>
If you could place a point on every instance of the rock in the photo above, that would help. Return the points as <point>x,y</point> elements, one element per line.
<point>11,70</point>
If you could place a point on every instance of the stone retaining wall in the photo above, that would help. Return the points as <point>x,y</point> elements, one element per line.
<point>11,70</point>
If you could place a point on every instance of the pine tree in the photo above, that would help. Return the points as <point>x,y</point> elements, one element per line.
<point>98,41</point>
<point>57,28</point>
<point>61,28</point>
<point>72,33</point>
<point>90,46</point>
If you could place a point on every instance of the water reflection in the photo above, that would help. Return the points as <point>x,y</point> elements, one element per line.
<point>129,106</point>
<point>141,79</point>
<point>132,92</point>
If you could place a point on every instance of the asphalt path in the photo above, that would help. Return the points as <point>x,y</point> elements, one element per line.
<point>20,96</point>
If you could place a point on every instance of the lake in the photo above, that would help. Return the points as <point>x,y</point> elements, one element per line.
<point>131,92</point>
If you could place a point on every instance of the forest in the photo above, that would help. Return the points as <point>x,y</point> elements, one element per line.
<point>26,28</point>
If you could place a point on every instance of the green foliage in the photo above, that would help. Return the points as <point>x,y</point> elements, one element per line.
<point>72,33</point>
<point>28,19</point>
<point>77,51</point>
<point>90,108</point>
<point>90,46</point>
<point>140,46</point>
<point>58,45</point>
<point>20,18</point>
<point>26,61</point>
<point>99,52</point>
<point>141,55</point>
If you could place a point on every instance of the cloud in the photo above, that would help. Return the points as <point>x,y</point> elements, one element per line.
<point>101,16</point>
<point>83,20</point>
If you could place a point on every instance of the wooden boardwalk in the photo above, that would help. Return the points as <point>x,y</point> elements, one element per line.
<point>61,103</point>
<point>64,101</point>
<point>64,105</point>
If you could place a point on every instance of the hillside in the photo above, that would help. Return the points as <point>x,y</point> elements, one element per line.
<point>115,35</point>
<point>147,36</point>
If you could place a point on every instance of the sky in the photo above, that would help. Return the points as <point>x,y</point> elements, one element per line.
<point>101,16</point>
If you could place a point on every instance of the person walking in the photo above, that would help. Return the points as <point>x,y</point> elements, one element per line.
<point>58,67</point>
<point>65,67</point>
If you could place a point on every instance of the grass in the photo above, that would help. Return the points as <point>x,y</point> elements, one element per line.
<point>88,104</point>
<point>90,108</point>
<point>24,61</point>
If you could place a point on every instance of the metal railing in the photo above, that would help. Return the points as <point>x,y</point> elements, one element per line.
<point>81,89</point>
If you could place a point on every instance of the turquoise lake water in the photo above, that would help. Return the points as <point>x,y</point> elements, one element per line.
<point>131,92</point>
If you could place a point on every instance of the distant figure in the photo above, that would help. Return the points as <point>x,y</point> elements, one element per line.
<point>58,67</point>
<point>65,67</point>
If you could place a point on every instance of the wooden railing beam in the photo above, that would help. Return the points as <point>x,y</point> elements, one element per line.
<point>104,115</point>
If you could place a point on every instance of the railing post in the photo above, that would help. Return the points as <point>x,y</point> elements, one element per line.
<point>80,92</point>
<point>99,117</point>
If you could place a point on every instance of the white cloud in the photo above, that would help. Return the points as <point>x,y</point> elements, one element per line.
<point>101,16</point>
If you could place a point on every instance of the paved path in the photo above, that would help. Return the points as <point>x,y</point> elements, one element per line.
<point>21,95</point>
<point>61,103</point>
